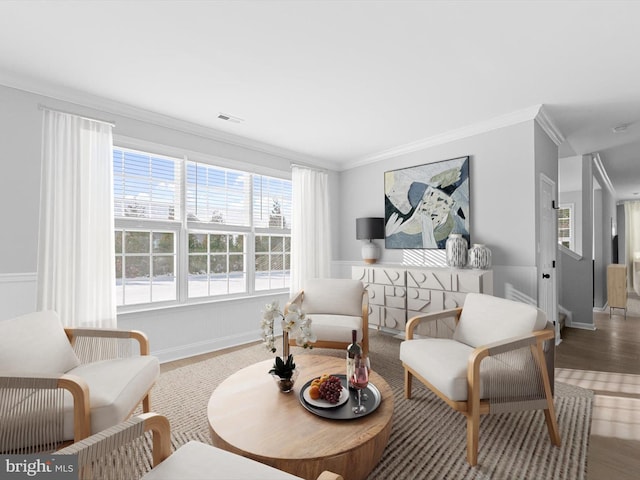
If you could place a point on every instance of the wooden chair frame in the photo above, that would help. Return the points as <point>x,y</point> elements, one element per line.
<point>298,298</point>
<point>124,433</point>
<point>119,435</point>
<point>474,406</point>
<point>79,389</point>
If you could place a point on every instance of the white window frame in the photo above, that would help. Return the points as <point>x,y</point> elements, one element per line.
<point>183,227</point>
<point>571,238</point>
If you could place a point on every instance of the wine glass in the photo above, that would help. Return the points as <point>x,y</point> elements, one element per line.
<point>359,381</point>
<point>364,394</point>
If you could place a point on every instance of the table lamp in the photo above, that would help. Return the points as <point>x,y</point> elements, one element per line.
<point>370,228</point>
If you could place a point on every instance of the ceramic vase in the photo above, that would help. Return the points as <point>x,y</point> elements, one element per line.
<point>456,251</point>
<point>479,256</point>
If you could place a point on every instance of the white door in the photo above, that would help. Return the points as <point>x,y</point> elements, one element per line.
<point>547,280</point>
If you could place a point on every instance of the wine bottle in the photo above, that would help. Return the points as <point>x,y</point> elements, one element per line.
<point>353,351</point>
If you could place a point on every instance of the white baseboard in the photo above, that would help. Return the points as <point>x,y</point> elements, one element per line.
<point>199,348</point>
<point>582,326</point>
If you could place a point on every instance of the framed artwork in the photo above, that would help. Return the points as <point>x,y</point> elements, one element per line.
<point>426,203</point>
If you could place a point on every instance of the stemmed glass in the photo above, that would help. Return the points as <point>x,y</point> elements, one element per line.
<point>365,397</point>
<point>359,381</point>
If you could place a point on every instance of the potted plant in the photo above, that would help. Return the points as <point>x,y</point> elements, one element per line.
<point>294,322</point>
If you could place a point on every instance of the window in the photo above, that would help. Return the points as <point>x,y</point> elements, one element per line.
<point>216,264</point>
<point>273,259</point>
<point>146,264</point>
<point>565,226</point>
<point>227,230</point>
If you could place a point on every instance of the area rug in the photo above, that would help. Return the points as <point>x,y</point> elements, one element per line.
<point>428,439</point>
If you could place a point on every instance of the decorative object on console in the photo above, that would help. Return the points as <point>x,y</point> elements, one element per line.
<point>295,322</point>
<point>479,256</point>
<point>456,255</point>
<point>370,228</point>
<point>427,203</point>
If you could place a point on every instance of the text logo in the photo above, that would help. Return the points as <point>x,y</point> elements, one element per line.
<point>50,467</point>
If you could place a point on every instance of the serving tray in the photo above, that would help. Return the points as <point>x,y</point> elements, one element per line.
<point>344,411</point>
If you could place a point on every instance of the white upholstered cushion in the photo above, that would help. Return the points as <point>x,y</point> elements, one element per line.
<point>444,363</point>
<point>197,461</point>
<point>35,344</point>
<point>115,389</point>
<point>338,296</point>
<point>335,328</point>
<point>486,319</point>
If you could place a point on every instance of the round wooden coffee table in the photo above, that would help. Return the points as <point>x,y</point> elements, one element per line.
<point>248,415</point>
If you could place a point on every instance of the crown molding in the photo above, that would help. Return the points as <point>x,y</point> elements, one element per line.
<point>549,127</point>
<point>597,162</point>
<point>87,100</point>
<point>495,123</point>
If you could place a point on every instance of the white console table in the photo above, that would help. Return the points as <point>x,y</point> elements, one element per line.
<point>399,293</point>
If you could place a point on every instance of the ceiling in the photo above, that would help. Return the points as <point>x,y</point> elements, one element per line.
<point>341,83</point>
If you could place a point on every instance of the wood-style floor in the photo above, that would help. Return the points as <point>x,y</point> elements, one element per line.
<point>607,361</point>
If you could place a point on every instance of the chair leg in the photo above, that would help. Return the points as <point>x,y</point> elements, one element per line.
<point>407,383</point>
<point>552,426</point>
<point>473,434</point>
<point>146,404</point>
<point>550,411</point>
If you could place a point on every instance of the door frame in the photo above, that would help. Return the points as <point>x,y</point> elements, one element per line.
<point>547,284</point>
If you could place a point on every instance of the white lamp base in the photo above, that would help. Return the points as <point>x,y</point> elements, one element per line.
<point>370,252</point>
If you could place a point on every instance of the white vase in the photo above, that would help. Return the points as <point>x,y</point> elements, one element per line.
<point>479,256</point>
<point>456,251</point>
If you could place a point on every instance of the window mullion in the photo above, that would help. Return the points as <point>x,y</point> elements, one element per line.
<point>182,243</point>
<point>250,248</point>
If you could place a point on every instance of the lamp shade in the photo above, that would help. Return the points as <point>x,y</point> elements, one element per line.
<point>369,228</point>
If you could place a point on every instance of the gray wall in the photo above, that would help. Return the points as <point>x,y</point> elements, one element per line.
<point>584,282</point>
<point>503,208</point>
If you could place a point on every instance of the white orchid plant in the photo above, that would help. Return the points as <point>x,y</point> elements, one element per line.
<point>295,323</point>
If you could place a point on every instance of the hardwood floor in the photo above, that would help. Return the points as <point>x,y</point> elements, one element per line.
<point>607,361</point>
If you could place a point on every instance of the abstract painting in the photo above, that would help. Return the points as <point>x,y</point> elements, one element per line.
<point>426,203</point>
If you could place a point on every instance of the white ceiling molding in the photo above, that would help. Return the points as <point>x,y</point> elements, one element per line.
<point>502,121</point>
<point>549,127</point>
<point>86,100</point>
<point>597,162</point>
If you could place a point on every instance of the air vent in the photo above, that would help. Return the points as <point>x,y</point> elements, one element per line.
<point>229,118</point>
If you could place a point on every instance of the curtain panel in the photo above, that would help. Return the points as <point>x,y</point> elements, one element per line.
<point>632,241</point>
<point>76,270</point>
<point>310,228</point>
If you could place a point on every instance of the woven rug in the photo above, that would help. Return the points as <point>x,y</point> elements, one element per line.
<point>428,439</point>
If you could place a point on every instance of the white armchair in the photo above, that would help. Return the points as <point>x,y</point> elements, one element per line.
<point>336,306</point>
<point>120,453</point>
<point>59,385</point>
<point>494,362</point>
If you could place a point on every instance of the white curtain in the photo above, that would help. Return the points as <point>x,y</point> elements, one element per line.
<point>310,230</point>
<point>632,241</point>
<point>76,271</point>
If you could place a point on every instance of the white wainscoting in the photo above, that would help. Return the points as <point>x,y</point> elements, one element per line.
<point>186,330</point>
<point>17,294</point>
